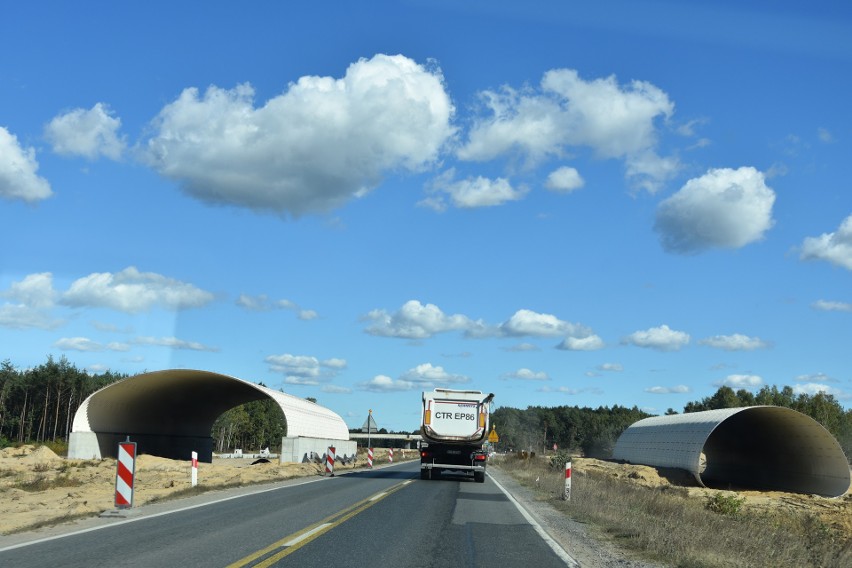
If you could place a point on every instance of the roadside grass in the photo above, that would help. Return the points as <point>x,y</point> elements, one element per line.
<point>666,525</point>
<point>43,483</point>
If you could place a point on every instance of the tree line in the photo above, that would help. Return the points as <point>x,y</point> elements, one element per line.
<point>38,404</point>
<point>594,431</point>
<point>254,425</point>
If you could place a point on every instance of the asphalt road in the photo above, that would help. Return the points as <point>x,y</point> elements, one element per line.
<point>384,517</point>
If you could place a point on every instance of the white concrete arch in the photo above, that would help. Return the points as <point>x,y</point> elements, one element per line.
<point>759,447</point>
<point>170,414</point>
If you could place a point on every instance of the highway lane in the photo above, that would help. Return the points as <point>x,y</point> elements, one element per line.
<point>386,515</point>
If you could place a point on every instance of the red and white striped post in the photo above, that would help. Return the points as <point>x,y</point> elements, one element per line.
<point>390,455</point>
<point>567,496</point>
<point>329,461</point>
<point>124,470</point>
<point>194,475</point>
<point>369,457</point>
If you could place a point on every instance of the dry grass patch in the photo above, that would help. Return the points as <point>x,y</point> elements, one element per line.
<point>677,526</point>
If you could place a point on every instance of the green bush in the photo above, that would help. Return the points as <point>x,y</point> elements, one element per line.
<point>730,505</point>
<point>559,459</point>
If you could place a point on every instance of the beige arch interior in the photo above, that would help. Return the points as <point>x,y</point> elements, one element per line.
<point>763,448</point>
<point>170,413</point>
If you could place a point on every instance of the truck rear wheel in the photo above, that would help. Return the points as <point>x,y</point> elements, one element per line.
<point>479,476</point>
<point>424,474</point>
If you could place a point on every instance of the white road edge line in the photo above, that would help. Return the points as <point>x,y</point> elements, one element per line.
<point>560,552</point>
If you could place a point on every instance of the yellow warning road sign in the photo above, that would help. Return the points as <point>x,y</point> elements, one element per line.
<point>493,437</point>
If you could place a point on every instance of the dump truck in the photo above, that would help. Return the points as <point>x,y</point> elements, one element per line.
<point>454,426</point>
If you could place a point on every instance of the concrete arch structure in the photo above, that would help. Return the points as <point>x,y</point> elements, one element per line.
<point>758,447</point>
<point>170,414</point>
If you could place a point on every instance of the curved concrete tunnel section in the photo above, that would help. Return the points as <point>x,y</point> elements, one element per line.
<point>171,413</point>
<point>758,447</point>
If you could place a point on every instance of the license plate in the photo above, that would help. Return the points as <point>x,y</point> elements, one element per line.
<point>454,452</point>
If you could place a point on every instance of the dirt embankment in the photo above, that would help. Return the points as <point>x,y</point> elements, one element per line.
<point>38,487</point>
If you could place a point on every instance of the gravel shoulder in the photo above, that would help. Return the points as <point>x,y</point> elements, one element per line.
<point>579,540</point>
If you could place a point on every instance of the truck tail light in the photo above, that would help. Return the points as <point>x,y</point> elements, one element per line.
<point>480,457</point>
<point>424,454</point>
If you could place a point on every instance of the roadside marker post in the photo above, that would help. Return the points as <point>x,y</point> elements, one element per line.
<point>329,461</point>
<point>567,496</point>
<point>370,457</point>
<point>125,469</point>
<point>194,475</point>
<point>390,455</point>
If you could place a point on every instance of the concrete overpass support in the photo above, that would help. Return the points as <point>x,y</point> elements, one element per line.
<point>299,449</point>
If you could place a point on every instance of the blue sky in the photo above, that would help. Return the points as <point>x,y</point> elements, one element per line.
<point>563,203</point>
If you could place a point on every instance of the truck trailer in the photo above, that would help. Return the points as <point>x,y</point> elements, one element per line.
<point>454,426</point>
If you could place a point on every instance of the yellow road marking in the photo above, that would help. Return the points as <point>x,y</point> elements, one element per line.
<point>295,541</point>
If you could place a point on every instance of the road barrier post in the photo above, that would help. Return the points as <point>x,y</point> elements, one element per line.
<point>194,475</point>
<point>329,461</point>
<point>567,496</point>
<point>370,457</point>
<point>390,455</point>
<point>124,471</point>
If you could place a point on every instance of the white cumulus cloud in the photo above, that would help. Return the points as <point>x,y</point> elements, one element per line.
<point>262,303</point>
<point>834,247</point>
<point>422,377</point>
<point>35,291</point>
<point>566,111</point>
<point>314,147</point>
<point>525,374</point>
<point>735,342</point>
<point>588,343</point>
<point>416,321</point>
<point>88,133</point>
<point>741,381</point>
<point>305,369</point>
<point>529,323</point>
<point>829,306</point>
<point>471,193</point>
<point>816,388</point>
<point>662,338</point>
<point>724,208</point>
<point>31,300</point>
<point>383,383</point>
<point>677,389</point>
<point>564,180</point>
<point>173,343</point>
<point>86,344</point>
<point>133,291</point>
<point>18,167</point>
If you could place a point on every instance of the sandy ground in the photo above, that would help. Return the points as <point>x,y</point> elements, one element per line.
<point>39,488</point>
